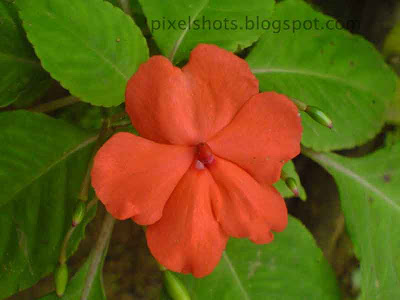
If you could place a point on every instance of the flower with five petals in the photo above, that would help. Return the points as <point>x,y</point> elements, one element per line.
<point>210,148</point>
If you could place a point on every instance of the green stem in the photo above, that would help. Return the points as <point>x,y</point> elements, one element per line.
<point>284,175</point>
<point>97,253</point>
<point>126,7</point>
<point>63,252</point>
<point>92,203</point>
<point>306,151</point>
<point>103,135</point>
<point>54,105</point>
<point>118,117</point>
<point>300,105</point>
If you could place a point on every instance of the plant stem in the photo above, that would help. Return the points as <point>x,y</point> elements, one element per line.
<point>103,135</point>
<point>284,175</point>
<point>118,117</point>
<point>126,7</point>
<point>97,253</point>
<point>92,203</point>
<point>54,105</point>
<point>300,105</point>
<point>63,253</point>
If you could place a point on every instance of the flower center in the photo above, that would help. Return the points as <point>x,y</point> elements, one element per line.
<point>204,157</point>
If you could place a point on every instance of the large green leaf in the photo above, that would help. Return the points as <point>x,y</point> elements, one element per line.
<point>22,76</point>
<point>340,73</point>
<point>178,26</point>
<point>370,197</point>
<point>90,46</point>
<point>291,267</point>
<point>42,164</point>
<point>32,145</point>
<point>135,11</point>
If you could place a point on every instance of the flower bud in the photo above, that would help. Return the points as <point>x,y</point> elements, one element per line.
<point>79,213</point>
<point>319,116</point>
<point>61,279</point>
<point>175,288</point>
<point>292,185</point>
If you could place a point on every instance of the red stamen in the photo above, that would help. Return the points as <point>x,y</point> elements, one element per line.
<point>204,154</point>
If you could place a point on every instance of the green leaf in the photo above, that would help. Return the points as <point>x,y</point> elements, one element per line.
<point>370,197</point>
<point>283,189</point>
<point>180,25</point>
<point>340,73</point>
<point>22,76</point>
<point>97,47</point>
<point>291,267</point>
<point>136,12</point>
<point>32,145</point>
<point>42,164</point>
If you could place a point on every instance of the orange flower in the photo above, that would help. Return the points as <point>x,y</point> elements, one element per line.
<point>211,147</point>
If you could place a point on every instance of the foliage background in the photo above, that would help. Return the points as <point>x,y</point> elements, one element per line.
<point>129,271</point>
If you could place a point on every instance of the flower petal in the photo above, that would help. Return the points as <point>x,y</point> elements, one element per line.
<point>188,106</point>
<point>134,177</point>
<point>246,208</point>
<point>264,135</point>
<point>160,104</point>
<point>188,239</point>
<point>221,83</point>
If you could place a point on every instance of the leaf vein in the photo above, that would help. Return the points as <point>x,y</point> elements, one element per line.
<point>350,173</point>
<point>56,162</point>
<point>235,276</point>
<point>184,32</point>
<point>314,74</point>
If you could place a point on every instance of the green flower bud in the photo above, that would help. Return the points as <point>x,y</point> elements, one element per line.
<point>319,116</point>
<point>175,288</point>
<point>61,279</point>
<point>292,185</point>
<point>79,213</point>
